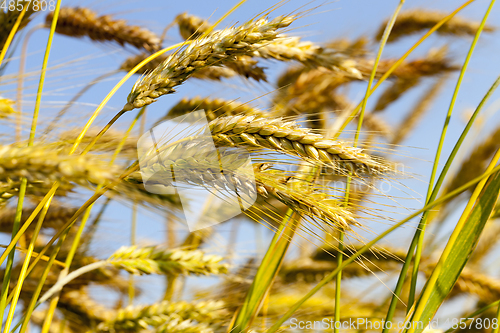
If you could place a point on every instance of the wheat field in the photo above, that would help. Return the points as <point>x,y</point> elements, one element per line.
<point>346,157</point>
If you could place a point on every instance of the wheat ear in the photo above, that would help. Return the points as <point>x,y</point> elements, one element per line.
<point>155,260</point>
<point>412,21</point>
<point>78,301</point>
<point>80,22</point>
<point>56,216</point>
<point>215,49</point>
<point>134,318</point>
<point>45,162</point>
<point>287,137</point>
<point>208,73</point>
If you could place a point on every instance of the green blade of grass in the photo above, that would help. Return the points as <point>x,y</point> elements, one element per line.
<point>266,273</point>
<point>456,253</point>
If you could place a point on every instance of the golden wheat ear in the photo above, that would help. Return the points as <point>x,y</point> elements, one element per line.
<point>80,22</point>
<point>413,21</point>
<point>213,50</point>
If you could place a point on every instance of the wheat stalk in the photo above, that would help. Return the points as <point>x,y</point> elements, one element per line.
<point>477,160</point>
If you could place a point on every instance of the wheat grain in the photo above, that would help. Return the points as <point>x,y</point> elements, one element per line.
<point>308,53</point>
<point>192,27</point>
<point>413,21</point>
<point>214,49</point>
<point>80,22</point>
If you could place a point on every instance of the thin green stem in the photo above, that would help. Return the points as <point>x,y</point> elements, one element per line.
<point>420,232</point>
<point>383,41</point>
